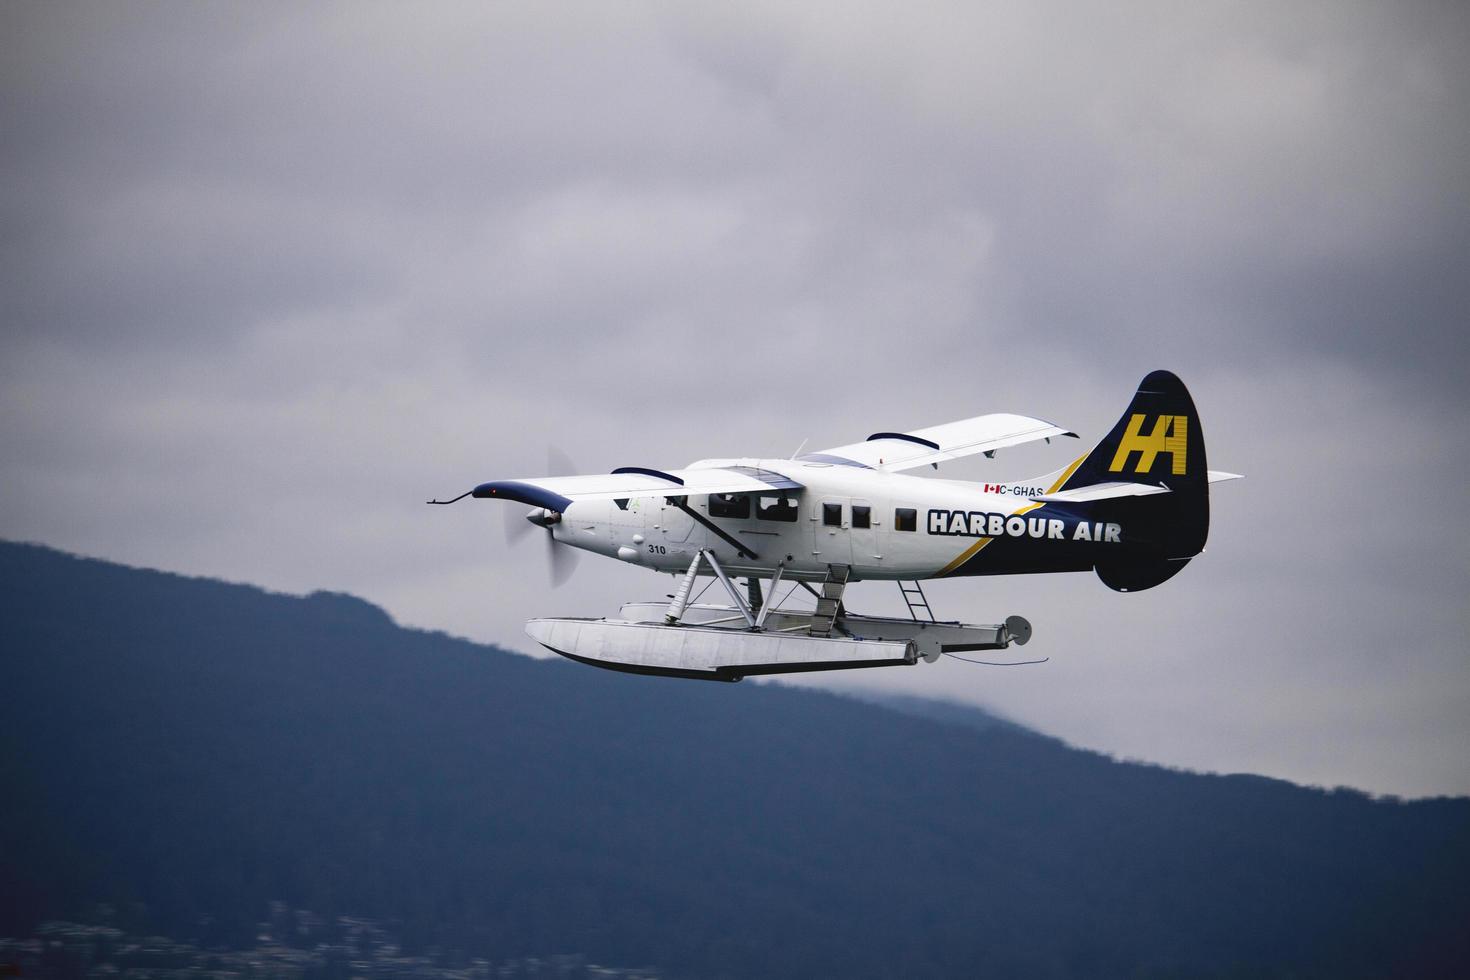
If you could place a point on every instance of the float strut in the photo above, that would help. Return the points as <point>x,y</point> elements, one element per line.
<point>730,588</point>
<point>681,594</point>
<point>760,618</point>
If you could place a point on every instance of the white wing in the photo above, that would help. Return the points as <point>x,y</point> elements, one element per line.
<point>559,492</point>
<point>893,451</point>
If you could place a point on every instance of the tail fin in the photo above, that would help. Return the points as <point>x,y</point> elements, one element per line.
<point>1159,442</point>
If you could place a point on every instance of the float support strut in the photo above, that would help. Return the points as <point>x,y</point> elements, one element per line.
<point>760,619</point>
<point>681,594</point>
<point>709,556</point>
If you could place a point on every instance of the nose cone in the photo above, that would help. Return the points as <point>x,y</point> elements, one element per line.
<point>542,517</point>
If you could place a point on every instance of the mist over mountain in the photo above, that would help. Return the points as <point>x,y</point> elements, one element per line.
<point>187,751</point>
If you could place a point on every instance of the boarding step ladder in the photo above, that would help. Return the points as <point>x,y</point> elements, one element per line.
<point>913,595</point>
<point>829,600</point>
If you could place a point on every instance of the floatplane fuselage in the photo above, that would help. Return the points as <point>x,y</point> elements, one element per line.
<point>1135,509</point>
<point>883,526</point>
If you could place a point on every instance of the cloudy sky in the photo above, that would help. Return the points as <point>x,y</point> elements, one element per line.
<point>273,276</point>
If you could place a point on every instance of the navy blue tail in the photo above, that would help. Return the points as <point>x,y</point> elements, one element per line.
<point>1159,442</point>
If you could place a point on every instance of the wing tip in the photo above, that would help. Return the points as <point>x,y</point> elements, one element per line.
<point>520,492</point>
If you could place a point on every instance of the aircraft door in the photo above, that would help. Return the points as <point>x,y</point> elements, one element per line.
<point>867,554</point>
<point>831,522</point>
<point>776,527</point>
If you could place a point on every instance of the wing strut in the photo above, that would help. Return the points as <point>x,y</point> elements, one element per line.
<point>740,549</point>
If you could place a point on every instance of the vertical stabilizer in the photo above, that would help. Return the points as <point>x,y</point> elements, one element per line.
<point>1158,441</point>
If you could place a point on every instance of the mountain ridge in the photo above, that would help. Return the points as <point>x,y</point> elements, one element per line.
<point>188,750</point>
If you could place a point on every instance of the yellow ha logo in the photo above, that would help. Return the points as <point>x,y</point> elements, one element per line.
<point>1169,435</point>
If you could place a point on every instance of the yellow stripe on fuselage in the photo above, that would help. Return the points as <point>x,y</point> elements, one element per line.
<point>974,549</point>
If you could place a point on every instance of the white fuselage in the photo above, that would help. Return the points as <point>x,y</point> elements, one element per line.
<point>947,522</point>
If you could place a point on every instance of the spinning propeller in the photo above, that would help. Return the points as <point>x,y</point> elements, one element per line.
<point>561,559</point>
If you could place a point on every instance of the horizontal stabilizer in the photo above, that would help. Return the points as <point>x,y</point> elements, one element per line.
<point>1110,491</point>
<point>1101,491</point>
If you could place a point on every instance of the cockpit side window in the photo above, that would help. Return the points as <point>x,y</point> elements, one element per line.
<point>736,505</point>
<point>777,509</point>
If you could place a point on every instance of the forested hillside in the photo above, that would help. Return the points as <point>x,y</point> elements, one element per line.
<point>189,751</point>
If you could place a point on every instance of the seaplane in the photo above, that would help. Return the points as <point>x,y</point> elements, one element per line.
<point>1135,510</point>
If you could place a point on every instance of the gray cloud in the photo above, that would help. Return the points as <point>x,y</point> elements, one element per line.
<point>271,277</point>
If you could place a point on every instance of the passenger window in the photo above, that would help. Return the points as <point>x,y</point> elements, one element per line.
<point>862,515</point>
<point>729,505</point>
<point>905,519</point>
<point>832,515</point>
<point>777,509</point>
